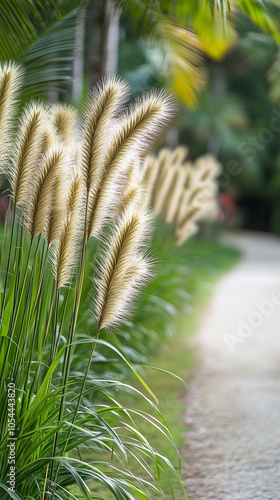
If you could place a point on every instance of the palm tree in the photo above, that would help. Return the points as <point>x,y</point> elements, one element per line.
<point>188,31</point>
<point>49,37</point>
<point>41,35</point>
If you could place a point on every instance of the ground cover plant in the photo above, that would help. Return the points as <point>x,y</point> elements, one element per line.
<point>63,193</point>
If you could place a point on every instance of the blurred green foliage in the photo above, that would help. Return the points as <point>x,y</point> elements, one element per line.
<point>237,115</point>
<point>223,56</point>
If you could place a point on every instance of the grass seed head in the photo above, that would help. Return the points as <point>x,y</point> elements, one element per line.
<point>10,80</point>
<point>37,209</point>
<point>138,128</point>
<point>27,151</point>
<point>123,270</point>
<point>63,117</point>
<point>65,250</point>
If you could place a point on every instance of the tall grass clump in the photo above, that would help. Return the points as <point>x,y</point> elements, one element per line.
<point>74,199</point>
<point>182,192</point>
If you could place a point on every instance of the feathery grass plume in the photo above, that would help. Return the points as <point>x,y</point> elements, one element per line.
<point>190,213</point>
<point>138,128</point>
<point>184,193</point>
<point>163,162</point>
<point>186,222</point>
<point>186,232</point>
<point>167,159</point>
<point>205,171</point>
<point>132,177</point>
<point>162,191</point>
<point>27,151</point>
<point>188,169</point>
<point>103,105</point>
<point>48,138</point>
<point>178,155</point>
<point>192,200</point>
<point>200,191</point>
<point>59,207</point>
<point>38,207</point>
<point>65,249</point>
<point>207,167</point>
<point>210,211</point>
<point>132,192</point>
<point>175,194</point>
<point>124,269</point>
<point>10,79</point>
<point>63,117</point>
<point>150,174</point>
<point>198,200</point>
<point>132,197</point>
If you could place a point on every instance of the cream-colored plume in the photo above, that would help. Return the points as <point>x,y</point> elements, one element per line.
<point>63,117</point>
<point>124,269</point>
<point>132,192</point>
<point>48,138</point>
<point>103,105</point>
<point>59,202</point>
<point>37,208</point>
<point>163,162</point>
<point>65,249</point>
<point>184,193</point>
<point>137,129</point>
<point>10,79</point>
<point>207,167</point>
<point>186,232</point>
<point>167,159</point>
<point>27,152</point>
<point>175,191</point>
<point>178,156</point>
<point>151,168</point>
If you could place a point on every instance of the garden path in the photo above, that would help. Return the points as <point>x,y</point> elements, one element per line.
<point>233,398</point>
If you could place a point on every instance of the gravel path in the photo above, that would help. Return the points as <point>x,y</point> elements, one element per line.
<point>233,399</point>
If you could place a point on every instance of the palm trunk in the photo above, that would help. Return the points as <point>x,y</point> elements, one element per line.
<point>78,63</point>
<point>112,17</point>
<point>104,38</point>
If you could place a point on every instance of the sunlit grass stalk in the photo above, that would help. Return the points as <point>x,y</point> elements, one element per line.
<point>46,328</point>
<point>70,346</point>
<point>25,314</point>
<point>5,242</point>
<point>17,264</point>
<point>15,316</point>
<point>55,338</point>
<point>81,392</point>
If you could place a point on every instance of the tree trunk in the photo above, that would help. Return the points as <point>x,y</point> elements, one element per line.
<point>78,63</point>
<point>103,39</point>
<point>112,39</point>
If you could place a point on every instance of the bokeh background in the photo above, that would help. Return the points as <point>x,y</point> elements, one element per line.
<point>221,59</point>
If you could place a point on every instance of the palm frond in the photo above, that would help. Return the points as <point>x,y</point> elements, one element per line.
<point>41,35</point>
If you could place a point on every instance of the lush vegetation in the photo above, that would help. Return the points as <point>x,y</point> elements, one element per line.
<point>87,423</point>
<point>236,116</point>
<point>68,216</point>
